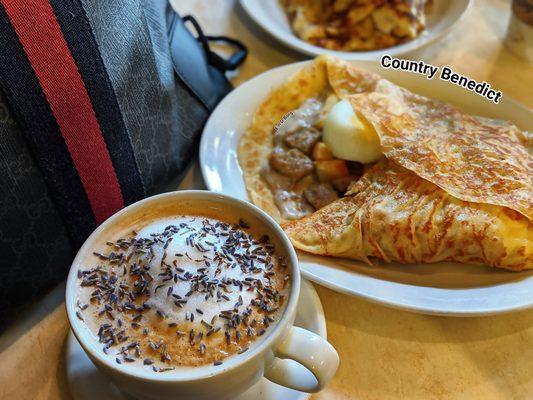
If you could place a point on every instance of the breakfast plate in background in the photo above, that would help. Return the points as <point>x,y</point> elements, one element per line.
<point>442,15</point>
<point>443,288</point>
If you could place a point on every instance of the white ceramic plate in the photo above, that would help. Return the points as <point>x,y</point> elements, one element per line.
<point>87,383</point>
<point>444,288</point>
<point>270,16</point>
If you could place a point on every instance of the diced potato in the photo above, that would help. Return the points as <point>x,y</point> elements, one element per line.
<point>321,152</point>
<point>328,170</point>
<point>385,19</point>
<point>357,14</point>
<point>303,184</point>
<point>341,5</point>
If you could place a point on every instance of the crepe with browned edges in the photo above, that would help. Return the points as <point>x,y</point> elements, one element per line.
<point>452,187</point>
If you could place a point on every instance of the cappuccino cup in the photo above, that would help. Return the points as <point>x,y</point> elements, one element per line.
<point>193,295</point>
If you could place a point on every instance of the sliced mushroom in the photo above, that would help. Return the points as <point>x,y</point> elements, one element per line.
<point>274,179</point>
<point>292,205</point>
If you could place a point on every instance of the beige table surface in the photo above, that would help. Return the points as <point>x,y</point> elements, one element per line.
<point>385,353</point>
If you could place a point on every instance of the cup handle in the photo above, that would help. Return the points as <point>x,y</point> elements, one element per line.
<point>308,350</point>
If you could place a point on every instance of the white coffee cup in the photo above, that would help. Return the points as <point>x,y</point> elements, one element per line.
<point>287,355</point>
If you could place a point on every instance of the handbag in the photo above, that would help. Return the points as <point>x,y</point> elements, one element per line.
<point>101,104</point>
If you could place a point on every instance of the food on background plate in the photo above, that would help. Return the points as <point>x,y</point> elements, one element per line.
<point>398,177</point>
<point>356,25</point>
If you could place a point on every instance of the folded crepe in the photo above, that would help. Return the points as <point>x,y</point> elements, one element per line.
<point>394,215</point>
<point>452,187</point>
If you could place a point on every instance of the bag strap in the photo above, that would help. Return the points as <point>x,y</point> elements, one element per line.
<point>200,68</point>
<point>222,64</point>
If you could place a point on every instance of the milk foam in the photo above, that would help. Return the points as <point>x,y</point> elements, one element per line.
<point>182,291</point>
<point>190,260</point>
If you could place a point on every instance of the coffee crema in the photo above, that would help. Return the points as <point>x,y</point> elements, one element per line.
<point>182,291</point>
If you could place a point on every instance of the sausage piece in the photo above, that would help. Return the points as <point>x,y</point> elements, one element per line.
<point>292,163</point>
<point>320,194</point>
<point>302,139</point>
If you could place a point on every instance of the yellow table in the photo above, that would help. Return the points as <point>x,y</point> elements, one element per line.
<point>385,353</point>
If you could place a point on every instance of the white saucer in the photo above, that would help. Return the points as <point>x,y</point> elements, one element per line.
<point>87,383</point>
